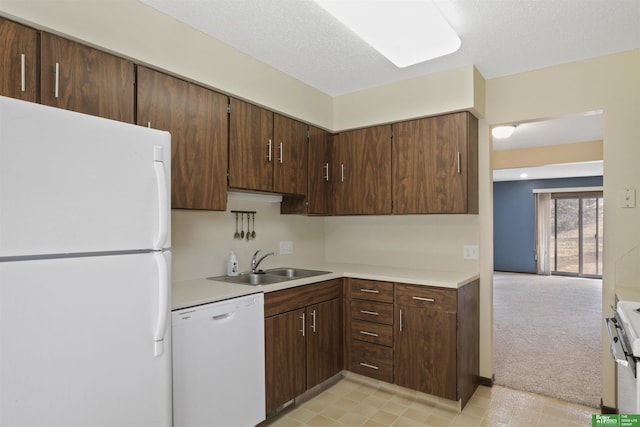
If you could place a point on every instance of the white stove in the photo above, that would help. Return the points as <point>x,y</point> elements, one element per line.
<point>624,339</point>
<point>629,315</point>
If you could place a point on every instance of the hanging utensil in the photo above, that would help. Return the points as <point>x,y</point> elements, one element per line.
<point>253,233</point>
<point>242,225</point>
<point>237,235</point>
<point>248,226</point>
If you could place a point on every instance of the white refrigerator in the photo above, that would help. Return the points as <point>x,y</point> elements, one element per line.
<point>84,270</point>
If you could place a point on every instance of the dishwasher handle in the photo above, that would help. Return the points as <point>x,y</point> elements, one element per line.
<point>223,317</point>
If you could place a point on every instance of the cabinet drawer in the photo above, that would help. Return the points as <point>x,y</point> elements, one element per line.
<point>371,290</point>
<point>372,360</point>
<point>291,299</point>
<point>427,297</point>
<point>372,311</point>
<point>372,332</point>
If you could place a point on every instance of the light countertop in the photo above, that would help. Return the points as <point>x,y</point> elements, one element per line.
<point>628,293</point>
<point>189,293</point>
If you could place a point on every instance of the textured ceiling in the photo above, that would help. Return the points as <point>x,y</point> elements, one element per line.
<point>500,37</point>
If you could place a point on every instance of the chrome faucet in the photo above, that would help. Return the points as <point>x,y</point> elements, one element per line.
<point>255,264</point>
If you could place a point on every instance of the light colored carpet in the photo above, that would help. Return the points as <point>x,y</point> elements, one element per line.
<point>548,335</point>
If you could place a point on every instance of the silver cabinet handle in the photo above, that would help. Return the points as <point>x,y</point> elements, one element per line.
<point>280,159</point>
<point>269,150</point>
<point>341,172</point>
<point>459,162</point>
<point>371,291</point>
<point>23,72</point>
<point>400,320</point>
<point>313,320</point>
<point>424,299</point>
<point>302,330</point>
<point>369,334</point>
<point>56,90</point>
<point>326,172</point>
<point>367,365</point>
<point>372,313</point>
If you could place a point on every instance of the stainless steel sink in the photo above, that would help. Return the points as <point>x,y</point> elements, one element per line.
<point>249,279</point>
<point>275,275</point>
<point>294,273</point>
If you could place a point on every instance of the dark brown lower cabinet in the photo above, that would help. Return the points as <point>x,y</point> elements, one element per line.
<point>303,339</point>
<point>426,351</point>
<point>284,358</point>
<point>324,341</point>
<point>437,340</point>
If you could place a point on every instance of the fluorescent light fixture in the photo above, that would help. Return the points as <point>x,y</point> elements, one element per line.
<point>407,32</point>
<point>502,132</point>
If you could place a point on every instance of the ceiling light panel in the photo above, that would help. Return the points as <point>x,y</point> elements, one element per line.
<point>405,32</point>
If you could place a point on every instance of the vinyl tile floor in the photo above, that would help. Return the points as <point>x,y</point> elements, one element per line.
<point>355,402</point>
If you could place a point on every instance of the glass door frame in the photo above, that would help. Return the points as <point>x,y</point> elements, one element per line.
<point>580,196</point>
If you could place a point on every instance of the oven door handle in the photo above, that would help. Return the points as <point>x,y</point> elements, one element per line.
<point>616,343</point>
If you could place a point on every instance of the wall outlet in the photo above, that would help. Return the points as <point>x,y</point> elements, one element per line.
<point>286,248</point>
<point>471,252</point>
<point>627,197</point>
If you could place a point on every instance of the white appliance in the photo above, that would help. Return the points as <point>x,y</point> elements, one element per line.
<point>84,270</point>
<point>625,348</point>
<point>218,363</point>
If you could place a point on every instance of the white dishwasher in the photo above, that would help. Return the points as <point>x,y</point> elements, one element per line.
<point>218,364</point>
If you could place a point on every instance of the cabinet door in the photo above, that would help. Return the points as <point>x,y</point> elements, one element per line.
<point>432,165</point>
<point>320,170</point>
<point>18,61</point>
<point>251,147</point>
<point>83,79</point>
<point>362,178</point>
<point>284,357</point>
<point>425,350</point>
<point>324,341</point>
<point>197,120</point>
<point>290,163</point>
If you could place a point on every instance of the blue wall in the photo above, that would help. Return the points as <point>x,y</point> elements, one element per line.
<point>514,220</point>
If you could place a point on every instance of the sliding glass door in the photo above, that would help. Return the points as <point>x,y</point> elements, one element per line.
<point>576,234</point>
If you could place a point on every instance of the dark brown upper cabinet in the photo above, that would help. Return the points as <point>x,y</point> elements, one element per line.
<point>320,168</point>
<point>290,162</point>
<point>362,176</point>
<point>79,78</point>
<point>196,117</point>
<point>251,147</point>
<point>19,61</point>
<point>435,165</point>
<point>267,151</point>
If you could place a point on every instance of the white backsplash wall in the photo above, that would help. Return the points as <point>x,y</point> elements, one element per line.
<point>203,240</point>
<point>434,242</point>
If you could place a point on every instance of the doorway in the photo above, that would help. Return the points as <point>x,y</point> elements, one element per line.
<point>528,307</point>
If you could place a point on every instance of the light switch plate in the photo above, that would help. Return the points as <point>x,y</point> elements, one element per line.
<point>471,252</point>
<point>286,248</point>
<point>627,197</point>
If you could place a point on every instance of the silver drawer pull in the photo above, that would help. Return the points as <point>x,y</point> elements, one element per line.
<point>23,72</point>
<point>371,291</point>
<point>56,86</point>
<point>367,365</point>
<point>424,299</point>
<point>373,313</point>
<point>370,334</point>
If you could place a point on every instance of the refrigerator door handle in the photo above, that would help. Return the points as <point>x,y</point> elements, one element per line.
<point>163,197</point>
<point>163,303</point>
